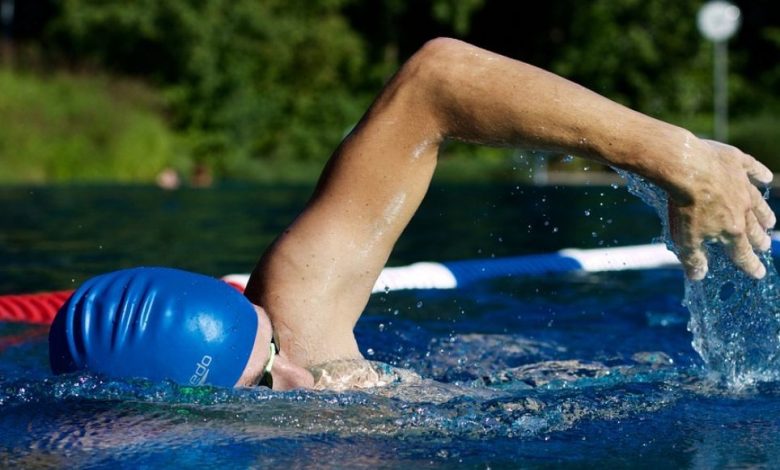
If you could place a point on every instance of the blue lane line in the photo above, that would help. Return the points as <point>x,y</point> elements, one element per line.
<point>469,271</point>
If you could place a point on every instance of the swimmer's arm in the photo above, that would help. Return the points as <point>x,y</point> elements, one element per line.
<point>317,277</point>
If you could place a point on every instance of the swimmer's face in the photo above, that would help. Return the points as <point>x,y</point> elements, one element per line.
<point>253,371</point>
<point>286,374</point>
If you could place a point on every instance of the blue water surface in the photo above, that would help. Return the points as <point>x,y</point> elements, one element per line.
<point>565,370</point>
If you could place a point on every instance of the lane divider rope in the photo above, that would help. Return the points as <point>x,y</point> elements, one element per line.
<point>40,308</point>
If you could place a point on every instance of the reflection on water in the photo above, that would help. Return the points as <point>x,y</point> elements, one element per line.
<point>592,370</point>
<point>54,238</point>
<point>650,409</point>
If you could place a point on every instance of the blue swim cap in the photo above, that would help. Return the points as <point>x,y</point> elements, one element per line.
<point>156,323</point>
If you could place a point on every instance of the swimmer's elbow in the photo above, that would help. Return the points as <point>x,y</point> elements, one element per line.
<point>433,63</point>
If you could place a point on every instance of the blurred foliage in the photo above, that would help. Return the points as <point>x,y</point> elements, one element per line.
<point>243,79</point>
<point>265,89</point>
<point>757,135</point>
<point>67,128</point>
<point>639,53</point>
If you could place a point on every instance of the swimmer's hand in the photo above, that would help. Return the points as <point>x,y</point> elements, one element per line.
<point>720,202</point>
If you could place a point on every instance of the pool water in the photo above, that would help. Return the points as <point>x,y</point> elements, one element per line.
<point>574,370</point>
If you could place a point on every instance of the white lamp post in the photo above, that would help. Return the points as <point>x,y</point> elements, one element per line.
<point>718,21</point>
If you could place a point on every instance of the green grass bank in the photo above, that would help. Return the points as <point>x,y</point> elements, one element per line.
<point>81,128</point>
<point>87,128</point>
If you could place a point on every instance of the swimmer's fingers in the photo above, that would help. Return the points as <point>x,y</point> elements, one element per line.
<point>689,246</point>
<point>756,171</point>
<point>756,234</point>
<point>741,253</point>
<point>761,209</point>
<point>694,262</point>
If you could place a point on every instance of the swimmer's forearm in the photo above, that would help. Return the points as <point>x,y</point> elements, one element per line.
<point>711,189</point>
<point>316,279</point>
<point>486,98</point>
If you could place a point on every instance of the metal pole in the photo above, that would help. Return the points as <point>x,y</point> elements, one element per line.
<point>721,103</point>
<point>7,17</point>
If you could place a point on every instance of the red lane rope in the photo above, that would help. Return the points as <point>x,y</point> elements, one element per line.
<point>41,308</point>
<point>32,308</point>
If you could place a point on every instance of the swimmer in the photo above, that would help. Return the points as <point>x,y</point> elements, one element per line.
<point>311,285</point>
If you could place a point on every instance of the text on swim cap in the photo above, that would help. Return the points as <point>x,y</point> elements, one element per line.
<point>201,371</point>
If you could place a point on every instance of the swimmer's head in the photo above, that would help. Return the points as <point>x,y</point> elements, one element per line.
<point>158,323</point>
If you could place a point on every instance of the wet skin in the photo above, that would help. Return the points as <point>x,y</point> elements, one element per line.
<point>314,281</point>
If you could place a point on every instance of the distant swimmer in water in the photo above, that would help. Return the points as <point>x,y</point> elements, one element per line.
<point>294,327</point>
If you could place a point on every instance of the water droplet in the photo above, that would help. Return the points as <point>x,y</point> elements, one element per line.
<point>419,304</point>
<point>587,213</point>
<point>370,352</point>
<point>381,327</point>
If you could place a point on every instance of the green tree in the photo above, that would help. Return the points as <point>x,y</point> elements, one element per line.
<point>647,55</point>
<point>245,79</point>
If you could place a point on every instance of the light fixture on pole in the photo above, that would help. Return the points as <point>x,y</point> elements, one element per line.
<point>718,21</point>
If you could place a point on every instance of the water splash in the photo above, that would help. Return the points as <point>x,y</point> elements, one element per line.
<point>91,412</point>
<point>735,320</point>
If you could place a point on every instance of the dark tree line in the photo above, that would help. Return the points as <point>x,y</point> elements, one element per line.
<point>284,79</point>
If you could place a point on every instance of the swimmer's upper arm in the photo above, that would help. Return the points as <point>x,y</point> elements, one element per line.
<point>315,280</point>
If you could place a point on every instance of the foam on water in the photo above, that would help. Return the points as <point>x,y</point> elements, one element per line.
<point>521,402</point>
<point>735,320</point>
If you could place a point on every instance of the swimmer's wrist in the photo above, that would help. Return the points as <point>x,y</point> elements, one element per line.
<point>680,171</point>
<point>659,152</point>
